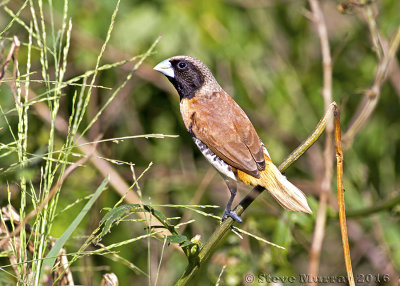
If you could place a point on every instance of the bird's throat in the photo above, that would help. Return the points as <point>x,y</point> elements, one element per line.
<point>185,90</point>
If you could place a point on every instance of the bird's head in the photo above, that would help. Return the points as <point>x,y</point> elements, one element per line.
<point>187,74</point>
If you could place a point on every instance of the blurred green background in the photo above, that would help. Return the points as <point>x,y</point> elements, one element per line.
<point>265,54</point>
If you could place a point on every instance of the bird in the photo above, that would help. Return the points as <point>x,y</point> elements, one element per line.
<point>225,136</point>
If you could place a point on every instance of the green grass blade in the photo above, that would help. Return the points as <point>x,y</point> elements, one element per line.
<point>52,255</point>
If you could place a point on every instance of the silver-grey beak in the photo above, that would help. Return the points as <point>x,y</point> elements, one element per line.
<point>165,68</point>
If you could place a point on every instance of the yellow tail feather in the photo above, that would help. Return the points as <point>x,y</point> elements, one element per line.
<point>287,194</point>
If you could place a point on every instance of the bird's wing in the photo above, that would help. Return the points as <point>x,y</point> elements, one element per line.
<point>224,127</point>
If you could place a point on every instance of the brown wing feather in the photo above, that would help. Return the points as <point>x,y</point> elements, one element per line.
<point>250,138</point>
<point>224,127</point>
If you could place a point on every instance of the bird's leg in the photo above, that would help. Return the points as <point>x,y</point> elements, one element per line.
<point>228,211</point>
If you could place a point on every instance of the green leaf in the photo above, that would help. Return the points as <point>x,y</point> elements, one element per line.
<point>116,212</point>
<point>113,215</point>
<point>176,238</point>
<point>156,213</point>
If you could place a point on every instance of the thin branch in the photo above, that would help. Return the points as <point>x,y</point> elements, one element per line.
<point>395,76</point>
<point>340,191</point>
<point>319,231</point>
<point>11,55</point>
<point>371,96</point>
<point>373,30</point>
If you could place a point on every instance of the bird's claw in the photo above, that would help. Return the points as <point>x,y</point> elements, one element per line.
<point>232,214</point>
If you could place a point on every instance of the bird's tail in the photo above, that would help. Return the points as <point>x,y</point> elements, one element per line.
<point>287,194</point>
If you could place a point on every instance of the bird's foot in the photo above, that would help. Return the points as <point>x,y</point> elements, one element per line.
<point>232,214</point>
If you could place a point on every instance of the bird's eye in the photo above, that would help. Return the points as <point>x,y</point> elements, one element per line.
<point>182,65</point>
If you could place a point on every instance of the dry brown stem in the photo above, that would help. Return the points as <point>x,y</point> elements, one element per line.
<point>340,191</point>
<point>319,232</point>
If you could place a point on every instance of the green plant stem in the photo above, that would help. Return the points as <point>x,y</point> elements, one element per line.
<point>205,252</point>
